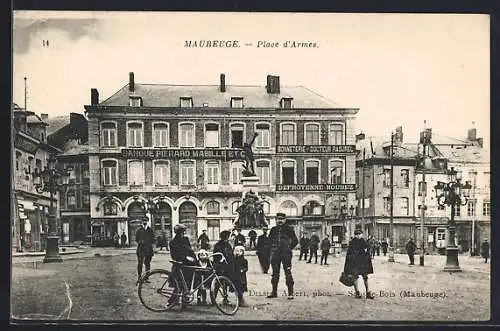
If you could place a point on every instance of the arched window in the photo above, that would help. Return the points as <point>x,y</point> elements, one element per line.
<point>311,134</point>
<point>336,171</point>
<point>160,135</point>
<point>187,172</point>
<point>312,171</point>
<point>134,134</point>
<point>289,208</point>
<point>213,208</point>
<point>211,135</point>
<point>135,173</point>
<point>110,208</point>
<point>263,171</point>
<point>288,172</point>
<point>336,134</point>
<point>186,135</point>
<point>237,131</point>
<point>288,136</point>
<point>108,134</point>
<point>110,172</point>
<point>161,173</point>
<point>236,169</point>
<point>212,172</point>
<point>264,135</point>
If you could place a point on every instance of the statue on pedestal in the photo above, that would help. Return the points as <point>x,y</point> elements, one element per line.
<point>248,167</point>
<point>251,212</point>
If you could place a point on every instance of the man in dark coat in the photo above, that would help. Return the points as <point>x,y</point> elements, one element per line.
<point>313,247</point>
<point>253,236</point>
<point>304,246</point>
<point>264,250</point>
<point>384,246</point>
<point>204,241</point>
<point>145,239</point>
<point>485,250</point>
<point>358,262</point>
<point>123,239</point>
<point>283,240</point>
<point>325,249</point>
<point>410,250</point>
<point>223,246</point>
<point>239,239</point>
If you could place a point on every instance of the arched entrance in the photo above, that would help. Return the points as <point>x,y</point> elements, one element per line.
<point>163,220</point>
<point>136,214</point>
<point>188,216</point>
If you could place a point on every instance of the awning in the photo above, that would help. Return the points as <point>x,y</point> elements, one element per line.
<point>20,209</point>
<point>27,205</point>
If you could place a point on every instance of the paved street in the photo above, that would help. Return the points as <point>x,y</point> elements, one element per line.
<point>86,287</point>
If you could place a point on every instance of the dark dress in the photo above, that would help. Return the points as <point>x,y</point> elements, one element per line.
<point>225,248</point>
<point>358,260</point>
<point>240,274</point>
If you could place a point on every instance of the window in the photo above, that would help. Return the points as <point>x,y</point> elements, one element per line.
<point>110,208</point>
<point>212,172</point>
<point>288,134</point>
<point>486,208</point>
<point>110,172</point>
<point>471,208</point>
<point>108,134</point>
<point>71,199</point>
<point>311,134</point>
<point>263,171</point>
<point>134,134</point>
<point>213,208</point>
<point>237,133</point>
<point>135,101</point>
<point>30,164</point>
<point>288,172</point>
<point>264,137</point>
<point>336,134</point>
<point>213,229</point>
<point>404,208</point>
<point>161,173</point>
<point>38,164</point>
<point>405,178</point>
<point>237,102</point>
<point>135,173</point>
<point>336,171</point>
<point>387,177</point>
<point>160,135</point>
<point>286,103</point>
<point>186,135</point>
<point>289,208</point>
<point>387,204</point>
<point>187,172</point>
<point>186,102</point>
<point>234,207</point>
<point>18,159</point>
<point>312,172</point>
<point>212,135</point>
<point>422,187</point>
<point>236,169</point>
<point>85,171</point>
<point>85,199</point>
<point>457,209</point>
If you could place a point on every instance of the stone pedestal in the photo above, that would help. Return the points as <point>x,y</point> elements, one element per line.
<point>250,184</point>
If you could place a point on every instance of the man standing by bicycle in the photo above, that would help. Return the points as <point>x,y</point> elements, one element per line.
<point>144,238</point>
<point>283,240</point>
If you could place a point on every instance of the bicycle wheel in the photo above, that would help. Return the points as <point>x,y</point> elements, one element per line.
<point>155,291</point>
<point>224,295</point>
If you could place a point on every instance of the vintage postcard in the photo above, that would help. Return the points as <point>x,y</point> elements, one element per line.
<point>189,166</point>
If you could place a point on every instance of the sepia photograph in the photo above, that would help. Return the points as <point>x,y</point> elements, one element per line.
<point>250,166</point>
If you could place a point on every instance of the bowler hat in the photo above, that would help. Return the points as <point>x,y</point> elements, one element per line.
<point>280,215</point>
<point>358,232</point>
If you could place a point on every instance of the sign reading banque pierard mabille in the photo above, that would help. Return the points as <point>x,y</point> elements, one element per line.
<point>183,153</point>
<point>317,187</point>
<point>316,149</point>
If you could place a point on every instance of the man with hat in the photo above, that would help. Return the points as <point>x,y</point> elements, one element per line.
<point>283,240</point>
<point>263,250</point>
<point>358,262</point>
<point>144,238</point>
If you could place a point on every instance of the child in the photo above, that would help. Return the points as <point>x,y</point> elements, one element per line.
<point>202,291</point>
<point>240,272</point>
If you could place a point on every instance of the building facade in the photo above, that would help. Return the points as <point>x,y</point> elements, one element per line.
<point>175,154</point>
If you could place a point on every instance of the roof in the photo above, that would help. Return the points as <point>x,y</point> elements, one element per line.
<point>165,95</point>
<point>378,146</point>
<point>34,118</point>
<point>77,150</point>
<point>56,123</point>
<point>468,154</point>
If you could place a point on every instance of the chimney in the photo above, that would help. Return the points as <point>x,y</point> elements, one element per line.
<point>222,83</point>
<point>94,97</point>
<point>471,134</point>
<point>131,82</point>
<point>480,142</point>
<point>277,84</point>
<point>44,117</point>
<point>398,136</point>
<point>273,84</point>
<point>269,83</point>
<point>360,136</point>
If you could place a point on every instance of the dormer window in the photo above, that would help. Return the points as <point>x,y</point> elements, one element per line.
<point>135,101</point>
<point>286,102</point>
<point>186,102</point>
<point>236,102</point>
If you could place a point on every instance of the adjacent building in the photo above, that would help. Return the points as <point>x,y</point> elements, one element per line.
<point>173,153</point>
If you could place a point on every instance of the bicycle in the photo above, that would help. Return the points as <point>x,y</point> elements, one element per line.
<point>155,287</point>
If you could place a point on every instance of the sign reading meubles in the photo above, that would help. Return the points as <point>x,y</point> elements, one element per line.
<point>316,149</point>
<point>317,187</point>
<point>224,154</point>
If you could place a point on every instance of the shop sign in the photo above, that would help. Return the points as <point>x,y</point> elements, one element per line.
<point>184,153</point>
<point>317,187</point>
<point>316,149</point>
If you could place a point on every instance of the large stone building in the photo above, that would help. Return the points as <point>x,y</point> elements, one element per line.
<point>179,147</point>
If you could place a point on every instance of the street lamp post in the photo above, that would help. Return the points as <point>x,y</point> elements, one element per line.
<point>453,194</point>
<point>51,180</point>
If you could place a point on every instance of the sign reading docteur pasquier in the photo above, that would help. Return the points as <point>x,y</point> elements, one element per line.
<point>223,154</point>
<point>316,149</point>
<point>317,187</point>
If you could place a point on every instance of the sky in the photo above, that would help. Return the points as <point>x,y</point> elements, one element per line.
<point>398,69</point>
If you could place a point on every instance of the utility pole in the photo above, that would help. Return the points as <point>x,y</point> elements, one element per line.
<point>25,94</point>
<point>391,229</point>
<point>473,241</point>
<point>363,193</point>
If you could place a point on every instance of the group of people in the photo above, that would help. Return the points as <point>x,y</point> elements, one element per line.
<point>120,241</point>
<point>311,245</point>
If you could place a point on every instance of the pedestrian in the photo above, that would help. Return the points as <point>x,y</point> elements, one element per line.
<point>203,240</point>
<point>304,246</point>
<point>124,239</point>
<point>223,246</point>
<point>239,239</point>
<point>384,246</point>
<point>116,240</point>
<point>371,243</point>
<point>377,247</point>
<point>485,250</point>
<point>313,247</point>
<point>325,249</point>
<point>358,262</point>
<point>253,236</point>
<point>240,273</point>
<point>410,250</point>
<point>264,250</point>
<point>162,241</point>
<point>283,240</point>
<point>144,238</point>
